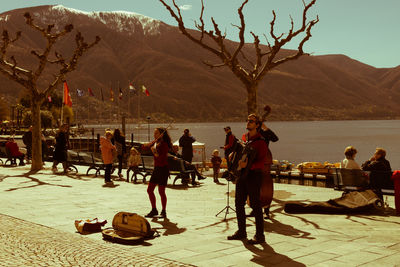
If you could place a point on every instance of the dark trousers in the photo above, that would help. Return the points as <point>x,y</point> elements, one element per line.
<point>29,152</point>
<point>249,186</point>
<point>107,172</point>
<point>120,157</point>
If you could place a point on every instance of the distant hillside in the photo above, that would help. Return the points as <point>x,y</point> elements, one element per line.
<point>147,51</point>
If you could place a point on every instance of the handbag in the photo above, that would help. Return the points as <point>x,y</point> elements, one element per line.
<point>89,226</point>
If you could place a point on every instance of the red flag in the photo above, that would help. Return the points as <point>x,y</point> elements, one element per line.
<point>67,96</point>
<point>144,90</point>
<point>90,92</point>
<point>111,95</point>
<point>49,99</point>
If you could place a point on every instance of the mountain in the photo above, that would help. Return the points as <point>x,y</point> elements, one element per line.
<point>141,50</point>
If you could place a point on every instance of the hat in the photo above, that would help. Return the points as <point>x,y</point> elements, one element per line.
<point>227,128</point>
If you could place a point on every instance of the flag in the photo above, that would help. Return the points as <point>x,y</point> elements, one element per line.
<point>145,91</point>
<point>79,92</point>
<point>102,97</point>
<point>111,95</point>
<point>67,96</point>
<point>90,92</point>
<point>132,88</point>
<point>120,93</point>
<point>49,99</point>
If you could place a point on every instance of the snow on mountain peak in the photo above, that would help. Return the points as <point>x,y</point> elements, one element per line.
<point>122,21</point>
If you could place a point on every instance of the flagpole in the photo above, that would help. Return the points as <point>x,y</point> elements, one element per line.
<point>129,102</point>
<point>138,114</point>
<point>112,107</point>
<point>119,102</point>
<point>62,103</point>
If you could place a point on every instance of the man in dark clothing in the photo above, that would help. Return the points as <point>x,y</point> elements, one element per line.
<point>186,143</point>
<point>27,139</point>
<point>230,142</point>
<point>381,171</point>
<point>249,182</point>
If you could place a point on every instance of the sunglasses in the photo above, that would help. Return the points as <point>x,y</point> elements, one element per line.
<point>251,121</point>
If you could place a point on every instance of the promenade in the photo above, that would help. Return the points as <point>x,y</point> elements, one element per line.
<point>38,211</point>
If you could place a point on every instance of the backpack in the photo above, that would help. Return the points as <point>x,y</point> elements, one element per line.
<point>128,228</point>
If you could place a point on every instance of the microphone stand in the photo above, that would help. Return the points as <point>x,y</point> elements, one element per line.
<point>227,207</point>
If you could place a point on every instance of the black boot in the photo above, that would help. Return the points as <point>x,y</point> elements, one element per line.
<point>163,214</point>
<point>152,213</point>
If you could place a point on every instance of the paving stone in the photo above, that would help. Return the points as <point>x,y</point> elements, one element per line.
<point>191,235</point>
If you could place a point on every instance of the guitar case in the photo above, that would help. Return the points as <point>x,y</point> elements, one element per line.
<point>128,228</point>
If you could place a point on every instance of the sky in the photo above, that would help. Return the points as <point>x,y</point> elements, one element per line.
<point>365,30</point>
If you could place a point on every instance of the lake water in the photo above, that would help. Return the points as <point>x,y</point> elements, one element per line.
<point>299,141</point>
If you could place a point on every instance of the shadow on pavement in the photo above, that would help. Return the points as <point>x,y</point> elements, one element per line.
<point>267,253</point>
<point>170,227</point>
<point>32,179</point>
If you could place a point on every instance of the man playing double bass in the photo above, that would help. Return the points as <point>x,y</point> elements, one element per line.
<point>249,183</point>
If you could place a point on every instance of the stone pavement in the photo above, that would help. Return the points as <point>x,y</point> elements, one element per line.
<point>37,216</point>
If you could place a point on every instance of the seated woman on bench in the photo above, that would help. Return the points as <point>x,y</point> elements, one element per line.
<point>349,162</point>
<point>188,165</point>
<point>13,149</point>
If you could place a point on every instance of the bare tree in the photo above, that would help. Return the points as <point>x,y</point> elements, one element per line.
<point>265,58</point>
<point>29,78</point>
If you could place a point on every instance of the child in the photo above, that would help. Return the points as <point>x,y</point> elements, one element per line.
<point>107,152</point>
<point>134,161</point>
<point>216,163</point>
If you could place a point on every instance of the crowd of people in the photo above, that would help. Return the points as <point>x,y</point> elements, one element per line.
<point>248,159</point>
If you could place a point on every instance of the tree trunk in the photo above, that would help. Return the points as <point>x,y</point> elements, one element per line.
<point>251,98</point>
<point>37,163</point>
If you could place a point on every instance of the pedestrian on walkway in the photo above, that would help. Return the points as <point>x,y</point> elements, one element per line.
<point>27,139</point>
<point>186,143</point>
<point>230,144</point>
<point>249,182</point>
<point>119,141</point>
<point>108,152</point>
<point>159,147</point>
<point>61,148</point>
<point>216,164</point>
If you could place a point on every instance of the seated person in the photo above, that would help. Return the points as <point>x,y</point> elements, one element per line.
<point>349,162</point>
<point>380,169</point>
<point>134,161</point>
<point>12,146</point>
<point>188,165</point>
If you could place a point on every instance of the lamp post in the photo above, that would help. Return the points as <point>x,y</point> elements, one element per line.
<point>148,128</point>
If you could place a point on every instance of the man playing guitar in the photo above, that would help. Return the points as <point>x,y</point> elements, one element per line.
<point>249,183</point>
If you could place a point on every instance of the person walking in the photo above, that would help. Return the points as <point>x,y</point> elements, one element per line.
<point>216,164</point>
<point>61,149</point>
<point>27,139</point>
<point>159,147</point>
<point>230,143</point>
<point>119,141</point>
<point>108,150</point>
<point>249,182</point>
<point>186,143</point>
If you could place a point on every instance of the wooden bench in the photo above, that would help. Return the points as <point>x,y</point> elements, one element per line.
<point>177,167</point>
<point>354,180</point>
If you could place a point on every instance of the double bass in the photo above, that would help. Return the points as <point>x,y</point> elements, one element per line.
<point>267,189</point>
<point>267,186</point>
